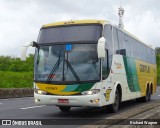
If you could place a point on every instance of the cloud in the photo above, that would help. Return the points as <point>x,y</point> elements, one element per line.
<point>144,25</point>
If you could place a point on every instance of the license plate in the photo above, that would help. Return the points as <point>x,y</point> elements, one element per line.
<point>63,101</point>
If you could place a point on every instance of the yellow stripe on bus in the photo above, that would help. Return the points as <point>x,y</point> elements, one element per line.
<point>54,89</point>
<point>75,22</point>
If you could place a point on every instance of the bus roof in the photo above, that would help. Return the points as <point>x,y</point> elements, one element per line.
<point>75,22</point>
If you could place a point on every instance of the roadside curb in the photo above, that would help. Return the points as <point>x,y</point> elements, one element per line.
<point>15,92</point>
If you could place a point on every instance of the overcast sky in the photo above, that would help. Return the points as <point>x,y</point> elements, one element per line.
<point>20,20</point>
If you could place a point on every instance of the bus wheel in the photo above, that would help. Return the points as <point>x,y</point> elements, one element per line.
<point>149,94</point>
<point>64,108</point>
<point>146,98</point>
<point>114,107</point>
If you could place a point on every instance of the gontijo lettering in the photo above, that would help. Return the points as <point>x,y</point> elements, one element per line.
<point>144,68</point>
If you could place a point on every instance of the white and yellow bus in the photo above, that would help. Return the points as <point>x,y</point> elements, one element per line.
<point>91,63</point>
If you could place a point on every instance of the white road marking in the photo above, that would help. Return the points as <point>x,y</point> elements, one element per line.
<point>33,107</point>
<point>27,97</point>
<point>16,98</point>
<point>1,103</point>
<point>158,95</point>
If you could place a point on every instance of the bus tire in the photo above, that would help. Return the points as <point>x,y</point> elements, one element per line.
<point>115,106</point>
<point>149,94</point>
<point>65,108</point>
<point>146,97</point>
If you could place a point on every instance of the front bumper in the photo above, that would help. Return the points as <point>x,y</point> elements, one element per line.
<point>81,100</point>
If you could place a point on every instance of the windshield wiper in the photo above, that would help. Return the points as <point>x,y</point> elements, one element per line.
<point>72,70</point>
<point>38,57</point>
<point>56,66</point>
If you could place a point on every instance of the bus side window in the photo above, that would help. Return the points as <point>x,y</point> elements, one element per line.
<point>108,37</point>
<point>120,39</point>
<point>127,46</point>
<point>115,40</point>
<point>105,68</point>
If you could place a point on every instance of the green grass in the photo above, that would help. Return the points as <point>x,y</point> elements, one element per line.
<point>10,79</point>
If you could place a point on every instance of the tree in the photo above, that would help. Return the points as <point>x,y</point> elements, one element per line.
<point>16,65</point>
<point>157,50</point>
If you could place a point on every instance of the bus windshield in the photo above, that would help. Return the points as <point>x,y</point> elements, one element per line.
<point>67,63</point>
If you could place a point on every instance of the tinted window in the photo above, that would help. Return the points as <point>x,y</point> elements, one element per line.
<point>134,48</point>
<point>115,40</point>
<point>109,45</point>
<point>105,67</point>
<point>70,34</point>
<point>127,45</point>
<point>120,39</point>
<point>108,37</point>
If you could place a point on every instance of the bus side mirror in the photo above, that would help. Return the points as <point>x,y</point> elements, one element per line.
<point>121,52</point>
<point>24,49</point>
<point>101,48</point>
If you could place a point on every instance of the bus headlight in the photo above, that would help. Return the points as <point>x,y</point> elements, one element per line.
<point>38,91</point>
<point>91,92</point>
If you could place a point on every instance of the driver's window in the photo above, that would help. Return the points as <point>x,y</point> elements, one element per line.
<point>105,66</point>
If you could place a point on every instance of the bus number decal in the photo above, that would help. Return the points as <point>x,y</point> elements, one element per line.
<point>108,91</point>
<point>51,88</point>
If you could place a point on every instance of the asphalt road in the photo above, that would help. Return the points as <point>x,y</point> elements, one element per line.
<point>24,108</point>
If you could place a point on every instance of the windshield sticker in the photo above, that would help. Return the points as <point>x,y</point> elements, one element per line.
<point>68,47</point>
